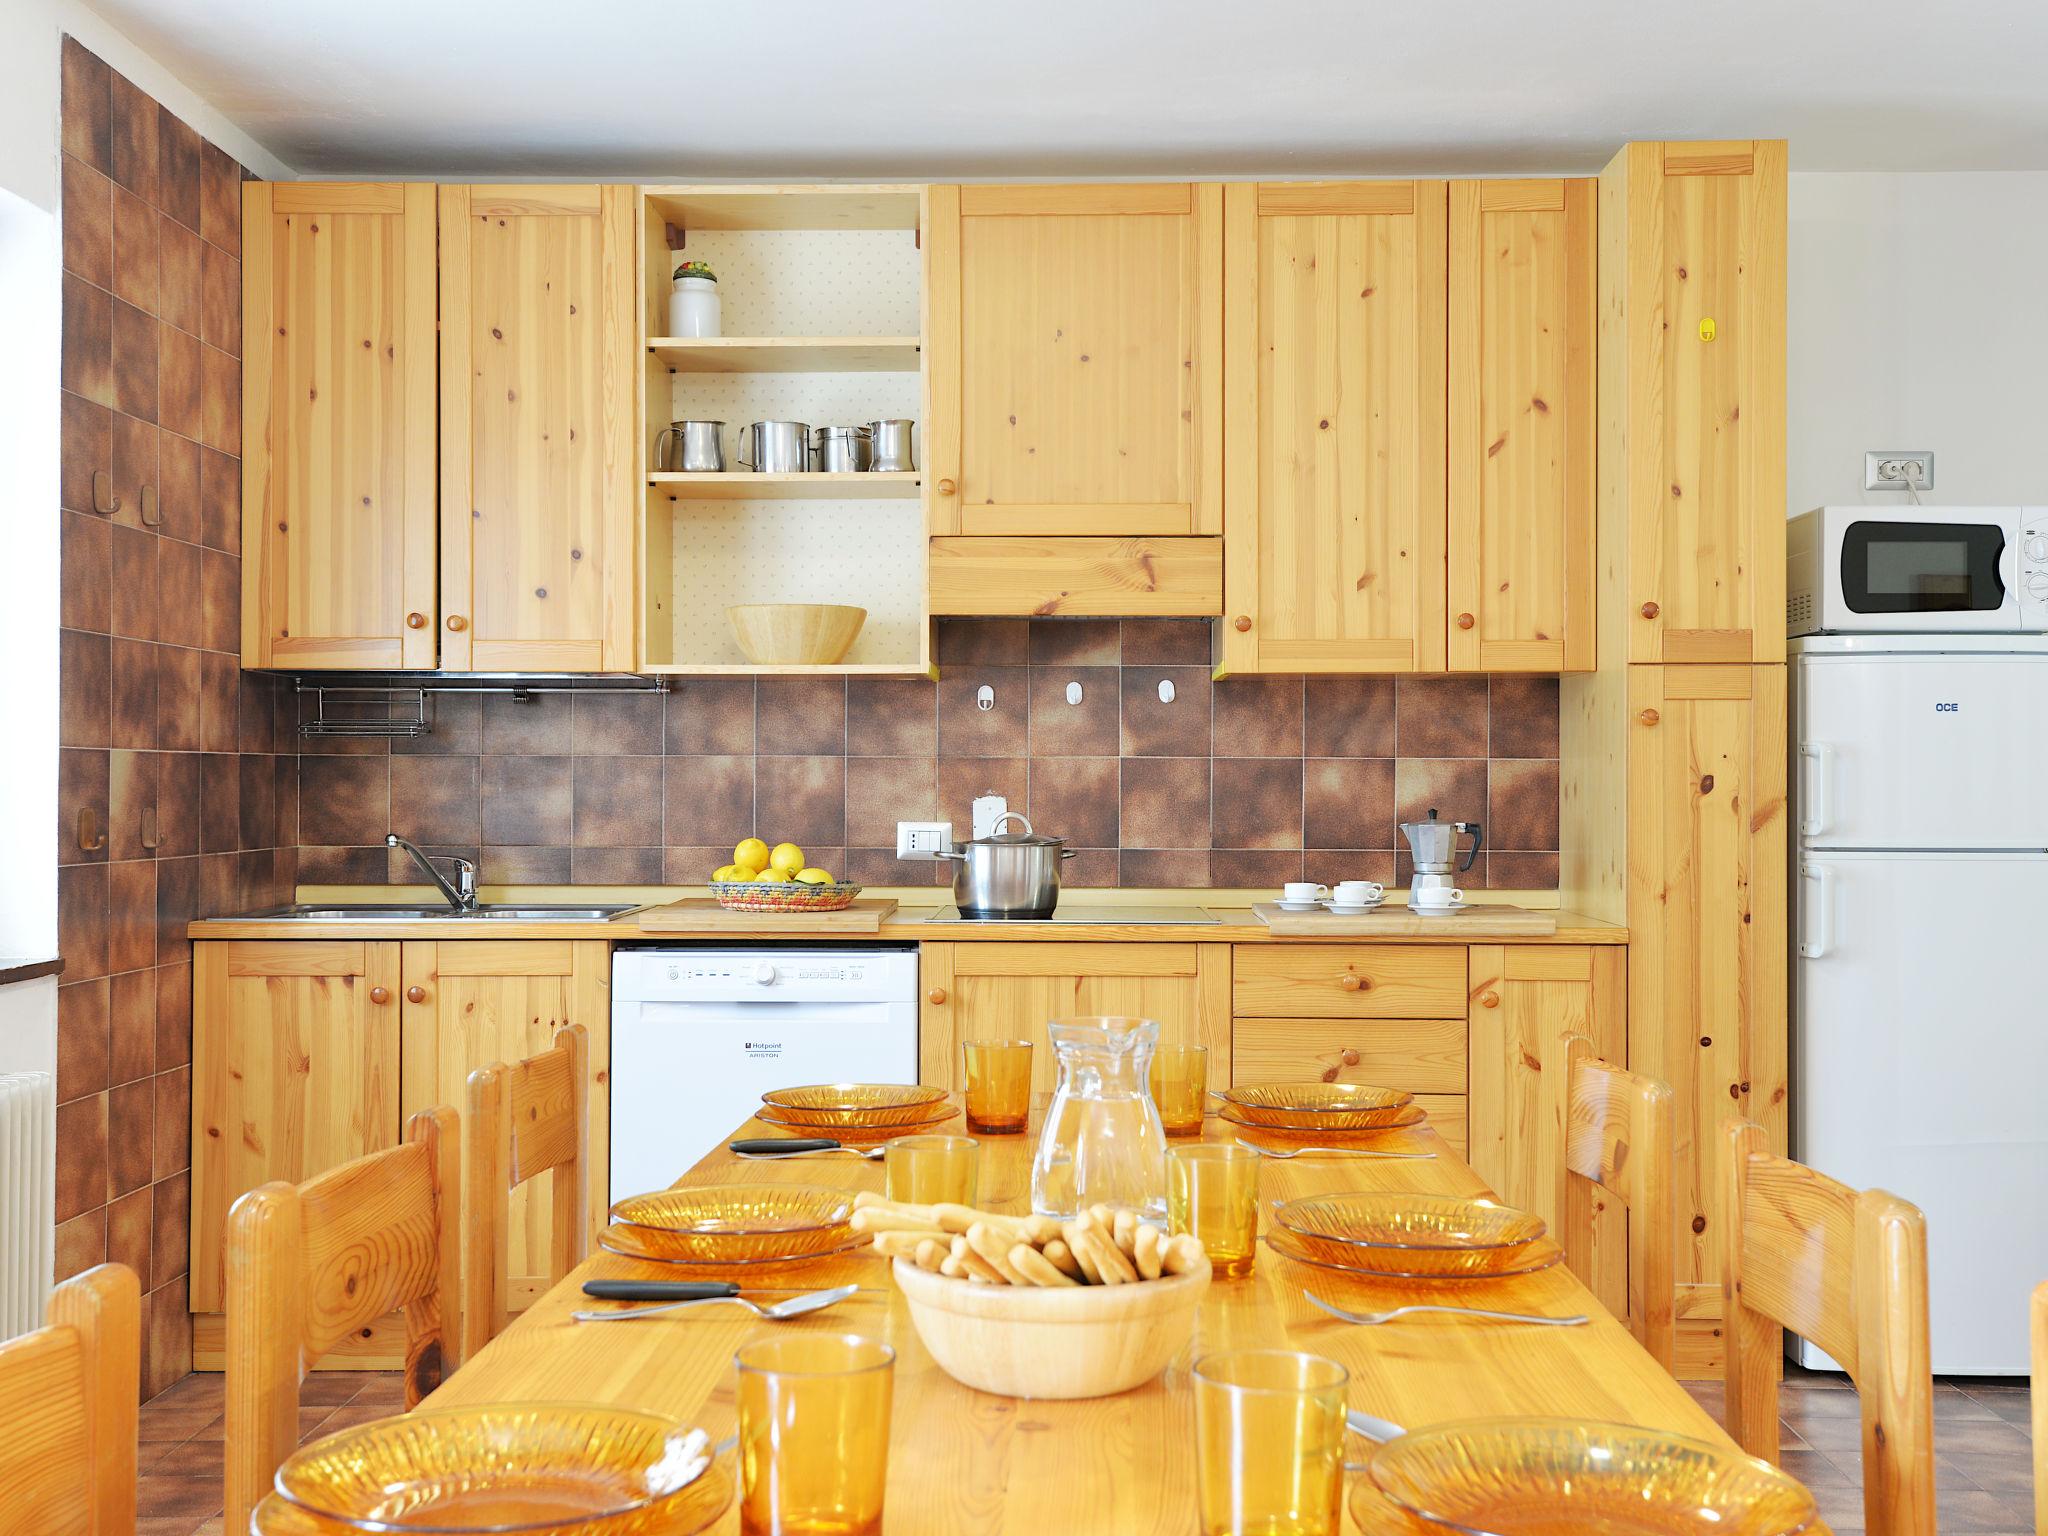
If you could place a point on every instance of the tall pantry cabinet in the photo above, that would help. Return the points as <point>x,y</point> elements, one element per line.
<point>508,312</point>
<point>1672,794</point>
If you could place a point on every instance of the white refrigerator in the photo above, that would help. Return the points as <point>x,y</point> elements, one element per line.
<point>1920,958</point>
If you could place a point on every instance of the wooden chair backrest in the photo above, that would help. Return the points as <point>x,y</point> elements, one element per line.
<point>310,1264</point>
<point>1846,1269</point>
<point>68,1395</point>
<point>1612,1128</point>
<point>524,1120</point>
<point>2039,1406</point>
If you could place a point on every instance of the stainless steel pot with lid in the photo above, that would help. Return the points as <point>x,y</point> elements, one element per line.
<point>1008,874</point>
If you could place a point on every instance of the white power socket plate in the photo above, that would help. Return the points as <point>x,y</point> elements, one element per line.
<point>923,839</point>
<point>1886,470</point>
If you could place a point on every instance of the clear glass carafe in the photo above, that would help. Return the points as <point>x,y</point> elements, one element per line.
<point>1101,1141</point>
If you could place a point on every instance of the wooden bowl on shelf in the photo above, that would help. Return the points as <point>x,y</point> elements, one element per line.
<point>795,634</point>
<point>1056,1342</point>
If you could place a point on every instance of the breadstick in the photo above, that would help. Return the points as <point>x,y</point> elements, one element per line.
<point>1183,1253</point>
<point>875,1218</point>
<point>1100,1248</point>
<point>958,1218</point>
<point>951,1267</point>
<point>1039,1230</point>
<point>900,1245</point>
<point>1079,1250</point>
<point>977,1267</point>
<point>1061,1258</point>
<point>929,1253</point>
<point>1146,1245</point>
<point>1124,1229</point>
<point>1105,1216</point>
<point>866,1197</point>
<point>1036,1268</point>
<point>994,1246</point>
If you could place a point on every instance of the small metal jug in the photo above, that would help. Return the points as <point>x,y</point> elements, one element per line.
<point>893,453</point>
<point>840,450</point>
<point>776,447</point>
<point>693,447</point>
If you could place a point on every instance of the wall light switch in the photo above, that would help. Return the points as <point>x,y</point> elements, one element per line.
<point>923,839</point>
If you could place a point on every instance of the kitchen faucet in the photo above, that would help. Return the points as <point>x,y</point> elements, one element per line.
<point>462,894</point>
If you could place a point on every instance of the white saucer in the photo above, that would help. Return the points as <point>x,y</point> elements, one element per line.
<point>1344,910</point>
<point>1299,906</point>
<point>1437,908</point>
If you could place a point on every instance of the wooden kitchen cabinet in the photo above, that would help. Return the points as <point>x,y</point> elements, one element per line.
<point>468,1002</point>
<point>539,435</point>
<point>1009,991</point>
<point>1367,980</point>
<point>1334,417</point>
<point>338,425</point>
<point>1076,369</point>
<point>1522,997</point>
<point>1692,398</point>
<point>295,1069</point>
<point>1521,426</point>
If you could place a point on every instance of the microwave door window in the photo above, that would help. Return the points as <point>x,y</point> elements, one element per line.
<point>1922,567</point>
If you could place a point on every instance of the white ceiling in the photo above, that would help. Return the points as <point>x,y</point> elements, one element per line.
<point>927,88</point>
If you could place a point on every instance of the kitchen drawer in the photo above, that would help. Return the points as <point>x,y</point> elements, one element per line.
<point>1416,1055</point>
<point>1349,981</point>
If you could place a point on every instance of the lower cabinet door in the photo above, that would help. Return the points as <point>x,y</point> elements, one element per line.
<point>471,1002</point>
<point>295,1069</point>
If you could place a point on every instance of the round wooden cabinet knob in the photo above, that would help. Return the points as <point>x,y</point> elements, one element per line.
<point>947,487</point>
<point>415,621</point>
<point>380,995</point>
<point>1242,624</point>
<point>1649,717</point>
<point>1351,1058</point>
<point>1465,621</point>
<point>936,996</point>
<point>457,621</point>
<point>1349,983</point>
<point>1489,1000</point>
<point>1651,610</point>
<point>415,994</point>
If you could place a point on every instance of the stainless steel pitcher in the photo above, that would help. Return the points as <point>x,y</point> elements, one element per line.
<point>1435,843</point>
<point>776,447</point>
<point>693,447</point>
<point>893,452</point>
<point>841,450</point>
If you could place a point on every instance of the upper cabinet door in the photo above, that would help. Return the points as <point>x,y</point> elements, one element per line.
<point>538,426</point>
<point>1692,394</point>
<point>1334,350</point>
<point>338,425</point>
<point>1076,359</point>
<point>1523,283</point>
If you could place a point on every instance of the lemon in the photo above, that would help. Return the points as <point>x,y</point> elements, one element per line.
<point>787,857</point>
<point>780,876</point>
<point>734,872</point>
<point>751,853</point>
<point>812,875</point>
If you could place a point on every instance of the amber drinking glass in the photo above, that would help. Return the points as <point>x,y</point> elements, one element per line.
<point>1180,1085</point>
<point>1269,1434</point>
<point>998,1085</point>
<point>814,1434</point>
<point>1212,1190</point>
<point>928,1170</point>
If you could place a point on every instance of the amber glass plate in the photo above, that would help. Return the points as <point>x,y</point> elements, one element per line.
<point>854,1104</point>
<point>936,1114</point>
<point>737,1223</point>
<point>1416,1234</point>
<point>1384,1266</point>
<point>514,1467</point>
<point>1318,1106</point>
<point>630,1243</point>
<point>1391,1120</point>
<point>1565,1477</point>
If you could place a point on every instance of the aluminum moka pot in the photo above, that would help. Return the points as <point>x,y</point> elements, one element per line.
<point>1435,844</point>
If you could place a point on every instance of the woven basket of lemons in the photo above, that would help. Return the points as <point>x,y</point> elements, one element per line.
<point>778,879</point>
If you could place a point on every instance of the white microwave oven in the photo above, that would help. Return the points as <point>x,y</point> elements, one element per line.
<point>1892,570</point>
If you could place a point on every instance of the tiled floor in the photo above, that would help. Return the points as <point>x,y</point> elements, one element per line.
<point>1982,1444</point>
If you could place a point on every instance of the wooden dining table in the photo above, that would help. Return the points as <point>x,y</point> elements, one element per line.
<point>961,1461</point>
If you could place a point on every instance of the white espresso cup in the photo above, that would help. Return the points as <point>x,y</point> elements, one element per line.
<point>1303,891</point>
<point>1436,896</point>
<point>1356,893</point>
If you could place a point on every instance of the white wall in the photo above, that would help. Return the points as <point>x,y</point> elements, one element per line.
<point>1917,318</point>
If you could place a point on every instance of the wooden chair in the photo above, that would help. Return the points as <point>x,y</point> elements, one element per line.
<point>68,1395</point>
<point>310,1264</point>
<point>2039,1406</point>
<point>1846,1269</point>
<point>523,1120</point>
<point>1611,1128</point>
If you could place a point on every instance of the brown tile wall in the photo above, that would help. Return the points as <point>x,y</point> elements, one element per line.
<point>158,723</point>
<point>1244,782</point>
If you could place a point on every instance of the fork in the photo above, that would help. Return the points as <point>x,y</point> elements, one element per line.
<point>870,1153</point>
<point>796,1306</point>
<point>1368,1319</point>
<point>1328,1151</point>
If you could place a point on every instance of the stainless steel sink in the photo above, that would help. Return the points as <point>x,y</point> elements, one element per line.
<point>376,912</point>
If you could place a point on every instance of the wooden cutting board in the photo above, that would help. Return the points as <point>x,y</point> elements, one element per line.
<point>1480,920</point>
<point>701,914</point>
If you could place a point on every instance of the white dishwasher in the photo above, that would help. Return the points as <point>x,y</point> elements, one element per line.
<point>699,1034</point>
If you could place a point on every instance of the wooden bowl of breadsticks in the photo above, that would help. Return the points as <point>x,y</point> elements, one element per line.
<point>1026,1306</point>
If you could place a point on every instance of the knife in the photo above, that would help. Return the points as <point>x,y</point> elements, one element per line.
<point>761,1145</point>
<point>659,1290</point>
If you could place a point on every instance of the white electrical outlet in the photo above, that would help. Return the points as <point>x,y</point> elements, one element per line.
<point>923,839</point>
<point>1898,469</point>
<point>987,808</point>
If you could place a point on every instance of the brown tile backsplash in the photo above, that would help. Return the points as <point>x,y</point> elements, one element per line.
<point>175,752</point>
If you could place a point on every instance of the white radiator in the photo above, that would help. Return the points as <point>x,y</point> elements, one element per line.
<point>28,1198</point>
